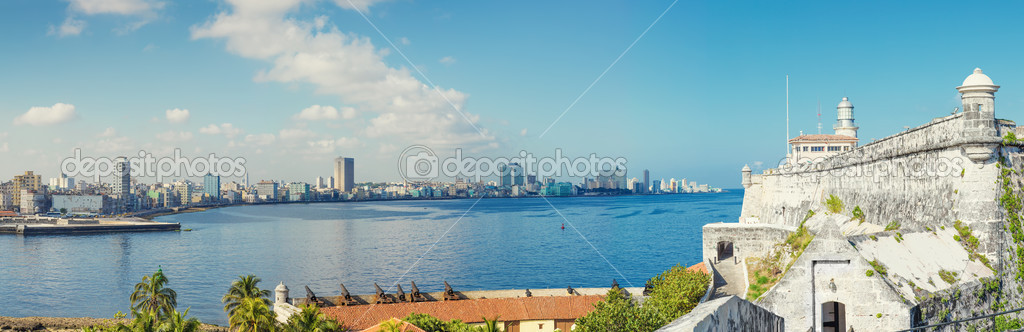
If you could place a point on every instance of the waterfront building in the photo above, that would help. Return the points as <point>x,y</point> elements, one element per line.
<point>79,204</point>
<point>647,180</point>
<point>330,182</point>
<point>319,182</point>
<point>32,202</point>
<point>211,186</point>
<point>267,190</point>
<point>809,148</point>
<point>656,187</point>
<point>29,181</point>
<point>344,174</point>
<point>62,183</point>
<point>183,189</point>
<point>298,191</point>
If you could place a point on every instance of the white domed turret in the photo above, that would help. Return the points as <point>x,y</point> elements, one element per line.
<point>978,94</point>
<point>844,119</point>
<point>745,176</point>
<point>281,293</point>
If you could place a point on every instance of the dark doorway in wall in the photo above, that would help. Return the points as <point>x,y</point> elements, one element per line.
<point>724,250</point>
<point>833,317</point>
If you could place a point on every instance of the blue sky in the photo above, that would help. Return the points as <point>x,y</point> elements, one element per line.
<point>700,95</point>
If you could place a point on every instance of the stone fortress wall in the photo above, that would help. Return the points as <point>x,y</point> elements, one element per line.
<point>925,178</point>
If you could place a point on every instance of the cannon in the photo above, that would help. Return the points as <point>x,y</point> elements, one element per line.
<point>312,299</point>
<point>346,298</point>
<point>416,296</point>
<point>381,297</point>
<point>449,294</point>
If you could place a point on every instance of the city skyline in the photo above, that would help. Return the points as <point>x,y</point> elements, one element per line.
<point>161,75</point>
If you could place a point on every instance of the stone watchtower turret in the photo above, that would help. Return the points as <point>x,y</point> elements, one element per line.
<point>978,95</point>
<point>281,294</point>
<point>844,120</point>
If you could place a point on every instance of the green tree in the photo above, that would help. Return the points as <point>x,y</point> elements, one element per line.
<point>310,319</point>
<point>150,296</point>
<point>244,288</point>
<point>677,291</point>
<point>490,325</point>
<point>176,322</point>
<point>619,313</point>
<point>252,315</point>
<point>144,321</point>
<point>433,324</point>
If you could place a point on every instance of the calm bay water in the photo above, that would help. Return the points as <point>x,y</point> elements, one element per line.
<point>498,244</point>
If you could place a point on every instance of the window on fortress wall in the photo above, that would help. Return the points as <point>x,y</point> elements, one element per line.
<point>846,148</point>
<point>833,148</point>
<point>817,148</point>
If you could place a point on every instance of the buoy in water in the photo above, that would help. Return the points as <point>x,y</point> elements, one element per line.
<point>563,226</point>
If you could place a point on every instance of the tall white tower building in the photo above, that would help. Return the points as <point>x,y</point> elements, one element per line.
<point>844,122</point>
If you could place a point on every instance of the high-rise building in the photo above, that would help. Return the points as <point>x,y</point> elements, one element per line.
<point>344,174</point>
<point>647,180</point>
<point>330,182</point>
<point>211,186</point>
<point>319,182</point>
<point>29,180</point>
<point>122,178</point>
<point>656,187</point>
<point>267,189</point>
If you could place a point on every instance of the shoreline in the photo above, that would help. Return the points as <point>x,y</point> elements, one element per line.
<point>71,324</point>
<point>176,211</point>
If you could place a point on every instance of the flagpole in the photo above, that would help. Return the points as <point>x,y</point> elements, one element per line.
<point>787,115</point>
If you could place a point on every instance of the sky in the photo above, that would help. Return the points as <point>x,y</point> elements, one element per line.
<point>685,89</point>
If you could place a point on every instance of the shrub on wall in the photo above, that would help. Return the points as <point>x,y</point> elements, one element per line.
<point>833,204</point>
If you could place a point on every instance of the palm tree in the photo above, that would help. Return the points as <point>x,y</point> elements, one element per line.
<point>490,325</point>
<point>150,296</point>
<point>244,288</point>
<point>176,322</point>
<point>310,319</point>
<point>145,321</point>
<point>252,315</point>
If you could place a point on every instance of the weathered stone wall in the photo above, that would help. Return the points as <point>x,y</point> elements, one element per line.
<point>727,314</point>
<point>966,300</point>
<point>830,269</point>
<point>923,177</point>
<point>748,240</point>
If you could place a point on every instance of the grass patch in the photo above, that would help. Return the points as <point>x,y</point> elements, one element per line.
<point>869,273</point>
<point>765,272</point>
<point>878,267</point>
<point>949,277</point>
<point>874,238</point>
<point>833,204</point>
<point>858,214</point>
<point>898,237</point>
<point>892,226</point>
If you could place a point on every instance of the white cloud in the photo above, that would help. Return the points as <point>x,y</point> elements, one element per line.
<point>226,129</point>
<point>260,139</point>
<point>109,132</point>
<point>143,11</point>
<point>317,112</point>
<point>342,64</point>
<point>41,116</point>
<point>70,27</point>
<point>122,7</point>
<point>174,136</point>
<point>177,115</point>
<point>327,146</point>
<point>447,60</point>
<point>386,148</point>
<point>5,147</point>
<point>404,41</point>
<point>522,132</point>
<point>291,134</point>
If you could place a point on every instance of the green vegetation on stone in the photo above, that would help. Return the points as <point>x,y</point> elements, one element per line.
<point>673,293</point>
<point>949,277</point>
<point>892,226</point>
<point>858,214</point>
<point>833,204</point>
<point>878,267</point>
<point>869,273</point>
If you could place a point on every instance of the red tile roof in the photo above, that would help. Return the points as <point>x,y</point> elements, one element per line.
<point>699,267</point>
<point>403,326</point>
<point>823,138</point>
<point>470,311</point>
<point>8,214</point>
